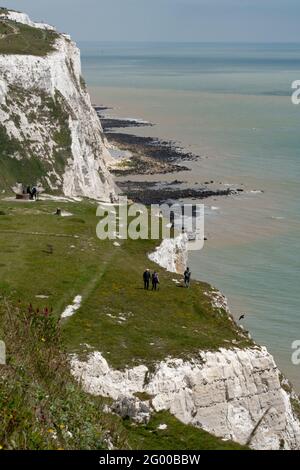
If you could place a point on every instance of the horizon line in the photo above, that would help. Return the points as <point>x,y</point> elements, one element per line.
<point>109,41</point>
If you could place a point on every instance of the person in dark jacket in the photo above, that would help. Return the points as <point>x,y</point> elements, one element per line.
<point>155,280</point>
<point>34,193</point>
<point>146,277</point>
<point>187,277</point>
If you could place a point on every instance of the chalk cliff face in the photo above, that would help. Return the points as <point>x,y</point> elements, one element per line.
<point>234,394</point>
<point>20,17</point>
<point>50,128</point>
<point>171,254</point>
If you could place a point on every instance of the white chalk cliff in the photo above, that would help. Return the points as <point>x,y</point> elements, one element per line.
<point>20,17</point>
<point>47,116</point>
<point>171,254</point>
<point>233,393</point>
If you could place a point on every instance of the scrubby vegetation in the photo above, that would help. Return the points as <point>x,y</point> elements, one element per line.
<point>83,83</point>
<point>59,114</point>
<point>17,38</point>
<point>29,168</point>
<point>24,159</point>
<point>13,170</point>
<point>41,407</point>
<point>8,146</point>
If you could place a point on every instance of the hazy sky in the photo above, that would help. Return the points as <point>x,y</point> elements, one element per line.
<point>169,20</point>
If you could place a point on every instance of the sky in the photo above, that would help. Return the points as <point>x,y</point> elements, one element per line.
<point>169,20</point>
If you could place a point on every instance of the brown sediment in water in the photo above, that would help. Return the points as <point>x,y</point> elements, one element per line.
<point>151,156</point>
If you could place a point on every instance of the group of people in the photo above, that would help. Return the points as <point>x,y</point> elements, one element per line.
<point>147,277</point>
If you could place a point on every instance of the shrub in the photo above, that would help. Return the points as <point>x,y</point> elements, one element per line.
<point>41,406</point>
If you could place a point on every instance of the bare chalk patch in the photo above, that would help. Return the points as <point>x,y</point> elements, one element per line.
<point>162,427</point>
<point>71,309</point>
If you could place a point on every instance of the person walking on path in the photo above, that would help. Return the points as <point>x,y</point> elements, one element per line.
<point>187,277</point>
<point>155,280</point>
<point>146,277</point>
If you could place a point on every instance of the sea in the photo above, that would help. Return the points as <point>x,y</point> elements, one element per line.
<point>229,104</point>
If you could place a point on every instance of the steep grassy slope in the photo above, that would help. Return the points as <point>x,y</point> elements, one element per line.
<point>176,436</point>
<point>59,258</point>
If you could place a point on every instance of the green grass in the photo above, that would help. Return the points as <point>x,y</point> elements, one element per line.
<point>17,38</point>
<point>173,321</point>
<point>177,436</point>
<point>37,394</point>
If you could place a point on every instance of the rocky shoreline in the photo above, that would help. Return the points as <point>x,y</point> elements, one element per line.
<point>152,156</point>
<point>149,156</point>
<point>154,193</point>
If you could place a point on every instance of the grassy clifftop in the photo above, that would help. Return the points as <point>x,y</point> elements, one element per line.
<point>172,321</point>
<point>46,261</point>
<point>17,38</point>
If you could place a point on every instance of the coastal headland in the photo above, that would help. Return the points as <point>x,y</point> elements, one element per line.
<point>95,361</point>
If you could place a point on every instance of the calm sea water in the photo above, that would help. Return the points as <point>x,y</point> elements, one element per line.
<point>231,105</point>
